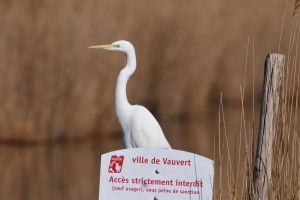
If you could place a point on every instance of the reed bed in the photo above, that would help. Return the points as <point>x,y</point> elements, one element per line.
<point>56,96</point>
<point>235,166</point>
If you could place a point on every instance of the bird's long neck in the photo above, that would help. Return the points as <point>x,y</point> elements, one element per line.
<point>121,101</point>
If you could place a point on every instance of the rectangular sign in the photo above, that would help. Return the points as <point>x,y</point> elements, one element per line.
<point>155,174</point>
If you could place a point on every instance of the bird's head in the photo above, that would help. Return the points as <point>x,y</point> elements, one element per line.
<point>120,45</point>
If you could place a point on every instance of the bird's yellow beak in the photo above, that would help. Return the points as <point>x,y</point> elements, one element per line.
<point>106,46</point>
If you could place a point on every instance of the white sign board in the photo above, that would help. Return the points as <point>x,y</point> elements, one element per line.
<point>155,174</point>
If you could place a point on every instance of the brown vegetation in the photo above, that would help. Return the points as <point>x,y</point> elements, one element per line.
<point>56,96</point>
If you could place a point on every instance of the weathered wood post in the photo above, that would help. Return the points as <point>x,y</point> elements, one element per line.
<point>268,118</point>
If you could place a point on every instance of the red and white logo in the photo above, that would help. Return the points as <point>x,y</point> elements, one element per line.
<point>116,163</point>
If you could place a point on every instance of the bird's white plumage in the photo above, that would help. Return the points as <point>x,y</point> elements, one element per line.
<point>145,130</point>
<point>140,128</point>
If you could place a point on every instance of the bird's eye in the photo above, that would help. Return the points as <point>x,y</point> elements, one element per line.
<point>117,45</point>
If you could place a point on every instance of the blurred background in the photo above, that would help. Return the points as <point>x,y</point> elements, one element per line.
<point>57,96</point>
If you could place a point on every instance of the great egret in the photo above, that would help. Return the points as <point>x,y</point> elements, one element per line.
<point>140,128</point>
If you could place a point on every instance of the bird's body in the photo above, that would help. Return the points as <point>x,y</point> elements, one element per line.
<point>140,128</point>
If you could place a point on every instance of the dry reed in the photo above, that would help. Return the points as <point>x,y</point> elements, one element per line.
<point>285,181</point>
<point>296,6</point>
<point>56,97</point>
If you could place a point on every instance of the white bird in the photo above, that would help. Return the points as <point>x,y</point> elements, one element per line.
<point>140,128</point>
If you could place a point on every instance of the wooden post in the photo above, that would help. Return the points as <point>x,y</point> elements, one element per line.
<point>268,118</point>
